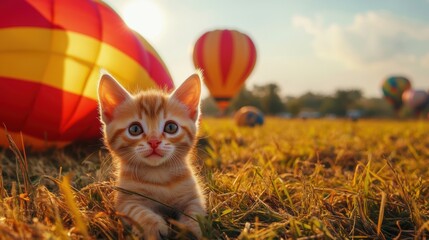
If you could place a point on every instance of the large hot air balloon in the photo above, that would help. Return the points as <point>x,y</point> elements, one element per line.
<point>227,58</point>
<point>416,99</point>
<point>51,53</point>
<point>393,88</point>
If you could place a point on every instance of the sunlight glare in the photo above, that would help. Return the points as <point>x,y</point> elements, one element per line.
<point>145,17</point>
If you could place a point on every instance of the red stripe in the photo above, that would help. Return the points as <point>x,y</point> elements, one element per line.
<point>94,19</point>
<point>75,15</point>
<point>226,52</point>
<point>47,113</point>
<point>199,55</point>
<point>251,62</point>
<point>157,72</point>
<point>27,14</point>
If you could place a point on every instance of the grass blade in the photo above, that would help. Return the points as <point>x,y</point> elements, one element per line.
<point>74,210</point>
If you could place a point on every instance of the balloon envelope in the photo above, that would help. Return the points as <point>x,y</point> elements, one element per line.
<point>416,99</point>
<point>249,116</point>
<point>51,53</point>
<point>227,58</point>
<point>393,88</point>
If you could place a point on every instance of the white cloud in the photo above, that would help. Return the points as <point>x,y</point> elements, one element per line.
<point>372,39</point>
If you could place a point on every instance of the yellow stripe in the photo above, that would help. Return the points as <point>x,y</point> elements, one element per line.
<point>66,60</point>
<point>211,62</point>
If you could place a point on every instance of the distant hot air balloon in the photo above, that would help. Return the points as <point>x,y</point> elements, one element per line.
<point>393,87</point>
<point>249,116</point>
<point>51,53</point>
<point>227,58</point>
<point>416,99</point>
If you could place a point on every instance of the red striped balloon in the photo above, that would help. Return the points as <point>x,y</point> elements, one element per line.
<point>227,58</point>
<point>51,53</point>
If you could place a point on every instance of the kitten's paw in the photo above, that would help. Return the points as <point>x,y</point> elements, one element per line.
<point>153,230</point>
<point>191,225</point>
<point>163,229</point>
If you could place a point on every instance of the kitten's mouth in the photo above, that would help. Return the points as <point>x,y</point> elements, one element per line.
<point>154,153</point>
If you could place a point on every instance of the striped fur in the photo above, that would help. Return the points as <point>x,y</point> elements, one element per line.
<point>167,177</point>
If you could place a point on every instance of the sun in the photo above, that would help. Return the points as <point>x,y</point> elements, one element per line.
<point>145,17</point>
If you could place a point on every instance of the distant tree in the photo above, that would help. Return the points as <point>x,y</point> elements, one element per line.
<point>245,98</point>
<point>266,97</point>
<point>311,101</point>
<point>375,107</point>
<point>293,105</point>
<point>340,103</point>
<point>209,107</point>
<point>330,106</point>
<point>349,97</point>
<point>270,99</point>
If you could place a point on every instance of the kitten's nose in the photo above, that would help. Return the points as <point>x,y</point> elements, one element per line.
<point>154,143</point>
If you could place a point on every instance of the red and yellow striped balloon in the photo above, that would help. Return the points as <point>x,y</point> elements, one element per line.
<point>51,53</point>
<point>227,58</point>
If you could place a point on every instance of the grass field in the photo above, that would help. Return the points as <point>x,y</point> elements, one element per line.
<point>290,179</point>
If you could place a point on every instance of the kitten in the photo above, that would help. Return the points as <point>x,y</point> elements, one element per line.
<point>150,135</point>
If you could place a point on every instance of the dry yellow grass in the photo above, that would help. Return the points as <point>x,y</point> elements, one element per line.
<point>290,179</point>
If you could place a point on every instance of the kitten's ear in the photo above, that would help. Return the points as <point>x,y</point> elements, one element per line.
<point>110,95</point>
<point>189,93</point>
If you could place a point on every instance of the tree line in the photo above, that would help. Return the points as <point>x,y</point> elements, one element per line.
<point>339,104</point>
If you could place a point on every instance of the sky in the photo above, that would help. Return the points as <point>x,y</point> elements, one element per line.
<point>302,45</point>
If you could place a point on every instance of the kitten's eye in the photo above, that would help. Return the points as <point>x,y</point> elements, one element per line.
<point>135,129</point>
<point>171,127</point>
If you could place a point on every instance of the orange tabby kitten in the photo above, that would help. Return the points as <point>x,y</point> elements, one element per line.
<point>151,135</point>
